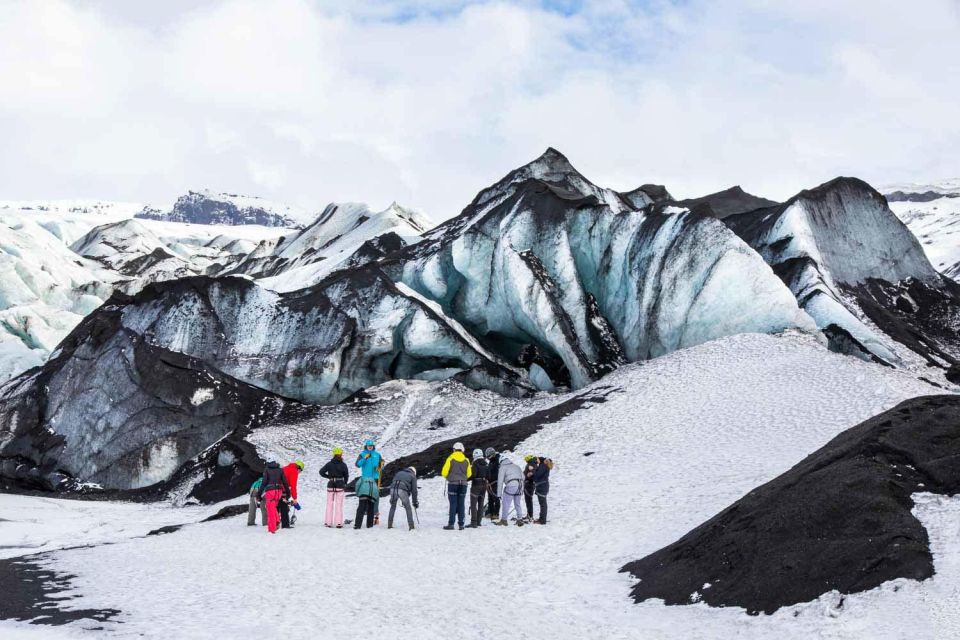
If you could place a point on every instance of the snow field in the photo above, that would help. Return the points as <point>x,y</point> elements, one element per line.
<point>679,439</point>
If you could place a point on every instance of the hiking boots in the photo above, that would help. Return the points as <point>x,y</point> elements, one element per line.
<point>448,527</point>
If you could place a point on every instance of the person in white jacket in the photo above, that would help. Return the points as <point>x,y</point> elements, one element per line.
<point>510,483</point>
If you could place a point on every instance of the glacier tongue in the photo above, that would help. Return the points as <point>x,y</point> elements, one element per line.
<point>848,259</point>
<point>546,258</point>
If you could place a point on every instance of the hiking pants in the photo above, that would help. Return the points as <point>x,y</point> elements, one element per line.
<point>528,489</point>
<point>457,494</point>
<point>510,500</point>
<point>477,494</point>
<point>284,514</point>
<point>543,508</point>
<point>403,497</point>
<point>365,508</point>
<point>252,509</point>
<point>334,514</point>
<point>493,503</point>
<point>271,499</point>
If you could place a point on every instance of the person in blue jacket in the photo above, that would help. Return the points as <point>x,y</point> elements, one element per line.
<point>367,488</point>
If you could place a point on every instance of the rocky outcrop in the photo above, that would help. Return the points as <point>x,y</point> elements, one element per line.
<point>841,519</point>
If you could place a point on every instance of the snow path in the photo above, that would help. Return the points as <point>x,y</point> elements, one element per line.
<point>686,435</point>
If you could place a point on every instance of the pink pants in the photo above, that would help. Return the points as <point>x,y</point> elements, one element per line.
<point>334,515</point>
<point>272,498</point>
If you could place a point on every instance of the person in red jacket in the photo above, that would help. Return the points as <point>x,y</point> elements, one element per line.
<point>291,472</point>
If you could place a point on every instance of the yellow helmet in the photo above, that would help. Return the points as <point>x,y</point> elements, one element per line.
<point>299,464</point>
<point>337,451</point>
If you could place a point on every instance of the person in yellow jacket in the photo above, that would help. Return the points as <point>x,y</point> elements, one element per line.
<point>457,470</point>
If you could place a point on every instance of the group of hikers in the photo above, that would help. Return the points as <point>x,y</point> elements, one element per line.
<point>491,480</point>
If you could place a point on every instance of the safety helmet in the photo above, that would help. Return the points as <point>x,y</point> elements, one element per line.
<point>369,443</point>
<point>337,451</point>
<point>489,452</point>
<point>299,464</point>
<point>412,470</point>
<point>477,454</point>
<point>528,458</point>
<point>458,446</point>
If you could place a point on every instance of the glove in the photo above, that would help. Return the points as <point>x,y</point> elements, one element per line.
<point>296,505</point>
<point>416,505</point>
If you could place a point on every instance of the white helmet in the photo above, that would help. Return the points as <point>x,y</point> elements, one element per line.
<point>458,446</point>
<point>412,470</point>
<point>477,454</point>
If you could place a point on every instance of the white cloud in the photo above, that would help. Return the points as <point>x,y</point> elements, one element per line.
<point>309,102</point>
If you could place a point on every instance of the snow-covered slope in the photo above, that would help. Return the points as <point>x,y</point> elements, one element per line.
<point>329,242</point>
<point>848,260</point>
<point>932,212</point>
<point>546,258</point>
<point>208,207</point>
<point>676,440</point>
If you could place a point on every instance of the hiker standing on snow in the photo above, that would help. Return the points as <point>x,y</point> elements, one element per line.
<point>478,488</point>
<point>337,475</point>
<point>457,471</point>
<point>292,473</point>
<point>541,481</point>
<point>368,493</point>
<point>493,472</point>
<point>529,487</point>
<point>273,488</point>
<point>510,482</point>
<point>404,489</point>
<point>256,504</point>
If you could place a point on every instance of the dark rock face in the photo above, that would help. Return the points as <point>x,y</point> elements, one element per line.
<point>912,196</point>
<point>729,202</point>
<point>114,410</point>
<point>841,519</point>
<point>205,208</point>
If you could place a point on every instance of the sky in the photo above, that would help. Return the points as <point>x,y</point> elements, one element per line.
<point>426,103</point>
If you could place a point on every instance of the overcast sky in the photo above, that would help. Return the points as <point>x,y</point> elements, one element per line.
<point>427,102</point>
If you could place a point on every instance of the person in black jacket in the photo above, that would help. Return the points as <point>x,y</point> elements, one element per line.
<point>337,475</point>
<point>479,485</point>
<point>541,481</point>
<point>273,488</point>
<point>529,487</point>
<point>493,472</point>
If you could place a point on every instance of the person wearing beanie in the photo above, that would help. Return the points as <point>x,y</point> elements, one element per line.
<point>337,475</point>
<point>479,485</point>
<point>457,470</point>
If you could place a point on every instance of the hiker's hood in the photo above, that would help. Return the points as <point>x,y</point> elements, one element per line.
<point>458,456</point>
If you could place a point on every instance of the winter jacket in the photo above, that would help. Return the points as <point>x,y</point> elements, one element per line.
<point>528,470</point>
<point>541,478</point>
<point>256,485</point>
<point>369,465</point>
<point>481,471</point>
<point>367,488</point>
<point>292,472</point>
<point>493,472</point>
<point>457,469</point>
<point>336,473</point>
<point>405,481</point>
<point>273,478</point>
<point>510,479</point>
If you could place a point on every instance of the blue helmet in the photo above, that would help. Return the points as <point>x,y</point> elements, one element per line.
<point>369,443</point>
